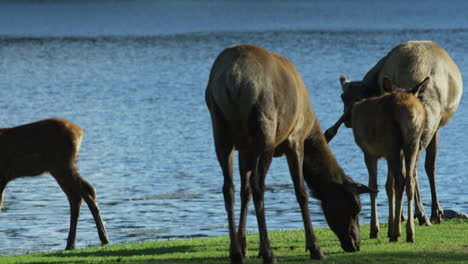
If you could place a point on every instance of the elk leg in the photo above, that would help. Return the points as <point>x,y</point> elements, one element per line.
<point>371,163</point>
<point>390,188</point>
<point>69,187</point>
<point>245,167</point>
<point>225,154</point>
<point>295,162</point>
<point>2,191</point>
<point>410,196</point>
<point>257,182</point>
<point>411,150</point>
<point>419,211</point>
<point>89,195</point>
<point>395,166</point>
<point>75,207</point>
<point>430,166</point>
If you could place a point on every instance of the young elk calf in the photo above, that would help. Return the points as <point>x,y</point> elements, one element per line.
<point>390,126</point>
<point>50,145</point>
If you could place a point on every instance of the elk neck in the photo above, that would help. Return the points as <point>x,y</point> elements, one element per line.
<point>320,166</point>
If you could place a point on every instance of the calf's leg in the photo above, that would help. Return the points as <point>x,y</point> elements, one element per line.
<point>371,163</point>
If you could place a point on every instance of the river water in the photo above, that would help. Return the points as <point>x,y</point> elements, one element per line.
<point>132,74</point>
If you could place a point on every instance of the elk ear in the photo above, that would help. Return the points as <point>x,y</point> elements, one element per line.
<point>420,88</point>
<point>343,80</point>
<point>358,188</point>
<point>387,85</point>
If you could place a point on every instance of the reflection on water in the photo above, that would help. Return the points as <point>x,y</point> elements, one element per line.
<point>148,143</point>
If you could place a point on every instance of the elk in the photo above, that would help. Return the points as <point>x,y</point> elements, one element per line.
<point>50,145</point>
<point>406,65</point>
<point>259,105</point>
<point>390,126</point>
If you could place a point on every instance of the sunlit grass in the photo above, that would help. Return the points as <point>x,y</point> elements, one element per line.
<point>444,243</point>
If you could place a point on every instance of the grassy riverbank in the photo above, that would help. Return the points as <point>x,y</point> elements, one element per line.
<point>444,243</point>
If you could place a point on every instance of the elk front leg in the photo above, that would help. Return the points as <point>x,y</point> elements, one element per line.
<point>295,162</point>
<point>371,163</point>
<point>430,166</point>
<point>419,211</point>
<point>71,188</point>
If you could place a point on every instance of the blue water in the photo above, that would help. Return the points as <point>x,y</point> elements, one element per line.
<point>132,74</point>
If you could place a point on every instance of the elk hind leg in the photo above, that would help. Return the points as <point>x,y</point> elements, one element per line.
<point>69,187</point>
<point>395,167</point>
<point>257,182</point>
<point>88,192</point>
<point>245,167</point>
<point>225,153</point>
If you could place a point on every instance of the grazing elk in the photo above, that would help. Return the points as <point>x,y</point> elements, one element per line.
<point>260,106</point>
<point>406,65</point>
<point>389,126</point>
<point>49,145</point>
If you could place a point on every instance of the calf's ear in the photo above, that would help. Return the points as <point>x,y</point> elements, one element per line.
<point>421,87</point>
<point>343,81</point>
<point>358,188</point>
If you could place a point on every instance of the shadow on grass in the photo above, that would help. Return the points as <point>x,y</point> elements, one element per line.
<point>181,254</point>
<point>399,257</point>
<point>112,252</point>
<point>124,255</point>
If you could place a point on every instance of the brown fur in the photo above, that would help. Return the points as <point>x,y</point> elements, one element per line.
<point>49,145</point>
<point>260,106</point>
<point>386,126</point>
<point>406,65</point>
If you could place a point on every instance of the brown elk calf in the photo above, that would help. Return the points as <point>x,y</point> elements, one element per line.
<point>390,126</point>
<point>49,145</point>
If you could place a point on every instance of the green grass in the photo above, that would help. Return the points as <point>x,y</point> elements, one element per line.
<point>444,243</point>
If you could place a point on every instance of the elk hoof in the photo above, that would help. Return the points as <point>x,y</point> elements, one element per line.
<point>72,247</point>
<point>317,254</point>
<point>268,258</point>
<point>437,218</point>
<point>393,238</point>
<point>410,238</point>
<point>237,259</point>
<point>423,219</point>
<point>103,243</point>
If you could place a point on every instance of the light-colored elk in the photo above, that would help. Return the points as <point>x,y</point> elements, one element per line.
<point>49,145</point>
<point>260,106</point>
<point>406,65</point>
<point>390,127</point>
